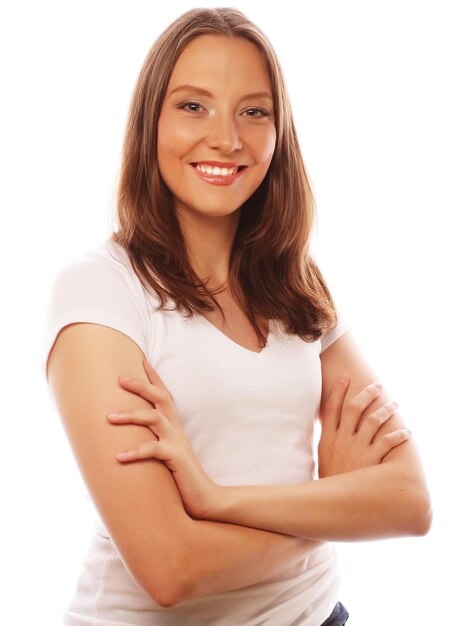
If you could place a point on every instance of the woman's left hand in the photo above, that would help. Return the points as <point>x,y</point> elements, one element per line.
<point>198,492</point>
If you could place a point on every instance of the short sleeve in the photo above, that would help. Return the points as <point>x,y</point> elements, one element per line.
<point>330,336</point>
<point>96,288</point>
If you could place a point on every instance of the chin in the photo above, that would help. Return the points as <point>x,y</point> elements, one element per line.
<point>217,211</point>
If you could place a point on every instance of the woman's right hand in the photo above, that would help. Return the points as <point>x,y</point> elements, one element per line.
<point>347,441</point>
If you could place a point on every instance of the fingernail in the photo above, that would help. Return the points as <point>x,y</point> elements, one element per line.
<point>122,455</point>
<point>125,378</point>
<point>114,414</point>
<point>377,385</point>
<point>344,378</point>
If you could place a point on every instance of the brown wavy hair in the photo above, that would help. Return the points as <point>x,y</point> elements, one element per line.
<point>271,272</point>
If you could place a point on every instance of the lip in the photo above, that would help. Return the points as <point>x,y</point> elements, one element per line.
<point>218,180</point>
<point>218,164</point>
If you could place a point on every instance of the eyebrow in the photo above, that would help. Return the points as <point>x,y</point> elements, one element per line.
<point>204,92</point>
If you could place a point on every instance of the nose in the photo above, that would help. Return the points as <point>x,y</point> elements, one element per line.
<point>223,134</point>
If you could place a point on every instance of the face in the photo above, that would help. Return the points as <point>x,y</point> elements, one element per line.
<point>216,131</point>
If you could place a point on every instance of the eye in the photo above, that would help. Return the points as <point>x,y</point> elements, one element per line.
<point>257,112</point>
<point>191,106</point>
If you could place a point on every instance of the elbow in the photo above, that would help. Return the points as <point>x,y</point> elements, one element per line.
<point>425,517</point>
<point>185,575</point>
<point>412,507</point>
<point>420,517</point>
<point>163,600</point>
<point>176,583</point>
<point>169,592</point>
<point>181,587</point>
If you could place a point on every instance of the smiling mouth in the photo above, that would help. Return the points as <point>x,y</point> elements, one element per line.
<point>214,170</point>
<point>218,175</point>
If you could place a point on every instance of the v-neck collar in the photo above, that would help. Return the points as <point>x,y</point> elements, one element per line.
<point>234,343</point>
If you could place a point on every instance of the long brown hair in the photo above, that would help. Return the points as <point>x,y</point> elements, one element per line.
<point>271,272</point>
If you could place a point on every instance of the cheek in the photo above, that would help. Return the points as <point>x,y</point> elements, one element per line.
<point>263,144</point>
<point>174,140</point>
<point>174,143</point>
<point>168,147</point>
<point>269,147</point>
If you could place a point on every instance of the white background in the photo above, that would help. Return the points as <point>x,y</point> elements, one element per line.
<point>382,94</point>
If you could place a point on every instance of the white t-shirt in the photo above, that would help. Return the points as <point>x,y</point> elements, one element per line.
<point>250,418</point>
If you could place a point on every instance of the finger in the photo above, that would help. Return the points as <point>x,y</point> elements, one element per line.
<point>153,418</point>
<point>148,450</point>
<point>371,423</point>
<point>152,374</point>
<point>157,393</point>
<point>391,440</point>
<point>331,411</point>
<point>147,390</point>
<point>352,411</point>
<point>155,379</point>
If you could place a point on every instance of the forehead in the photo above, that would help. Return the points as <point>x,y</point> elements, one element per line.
<point>220,63</point>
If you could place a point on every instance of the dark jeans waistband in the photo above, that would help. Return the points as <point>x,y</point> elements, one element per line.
<point>338,617</point>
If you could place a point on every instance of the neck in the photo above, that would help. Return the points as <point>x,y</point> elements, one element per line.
<point>209,242</point>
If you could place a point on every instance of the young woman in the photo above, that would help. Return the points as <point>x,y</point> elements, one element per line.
<point>219,518</point>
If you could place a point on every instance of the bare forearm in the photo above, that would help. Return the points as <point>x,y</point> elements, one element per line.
<point>221,557</point>
<point>372,503</point>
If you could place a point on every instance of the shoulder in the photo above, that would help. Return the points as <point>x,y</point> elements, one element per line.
<point>333,334</point>
<point>98,287</point>
<point>103,267</point>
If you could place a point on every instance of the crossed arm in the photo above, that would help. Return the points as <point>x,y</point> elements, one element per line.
<point>371,482</point>
<point>355,499</point>
<point>171,556</point>
<point>266,528</point>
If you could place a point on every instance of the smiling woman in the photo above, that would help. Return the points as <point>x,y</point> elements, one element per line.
<point>214,515</point>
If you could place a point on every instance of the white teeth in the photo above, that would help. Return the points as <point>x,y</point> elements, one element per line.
<point>216,171</point>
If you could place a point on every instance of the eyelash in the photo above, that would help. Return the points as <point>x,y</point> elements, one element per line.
<point>185,104</point>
